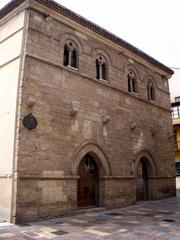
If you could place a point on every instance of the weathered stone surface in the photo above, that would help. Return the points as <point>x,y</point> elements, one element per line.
<point>70,107</point>
<point>78,114</point>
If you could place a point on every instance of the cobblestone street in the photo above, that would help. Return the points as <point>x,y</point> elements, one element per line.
<point>146,221</point>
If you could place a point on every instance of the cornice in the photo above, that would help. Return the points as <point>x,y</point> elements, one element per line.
<point>72,18</point>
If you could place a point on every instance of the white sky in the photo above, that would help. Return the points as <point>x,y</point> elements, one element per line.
<point>150,25</point>
<point>174,85</point>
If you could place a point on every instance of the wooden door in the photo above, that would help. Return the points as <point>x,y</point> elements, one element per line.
<point>87,195</point>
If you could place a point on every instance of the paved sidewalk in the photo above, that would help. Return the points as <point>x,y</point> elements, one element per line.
<point>147,221</point>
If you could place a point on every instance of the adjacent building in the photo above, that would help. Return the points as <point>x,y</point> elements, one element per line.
<point>85,116</point>
<point>175,106</point>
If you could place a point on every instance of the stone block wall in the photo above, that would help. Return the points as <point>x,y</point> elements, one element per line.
<point>161,188</point>
<point>45,198</point>
<point>119,192</point>
<point>47,183</point>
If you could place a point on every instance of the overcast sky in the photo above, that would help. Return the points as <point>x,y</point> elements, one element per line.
<point>151,25</point>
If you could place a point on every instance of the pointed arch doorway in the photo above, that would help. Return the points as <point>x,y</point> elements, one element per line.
<point>88,183</point>
<point>142,180</point>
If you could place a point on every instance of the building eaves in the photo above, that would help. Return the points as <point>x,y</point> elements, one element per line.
<point>91,26</point>
<point>175,104</point>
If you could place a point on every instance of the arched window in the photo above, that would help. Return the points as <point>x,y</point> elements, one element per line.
<point>97,70</point>
<point>74,58</point>
<point>70,55</point>
<point>104,69</point>
<point>101,68</point>
<point>132,82</point>
<point>151,91</point>
<point>66,55</point>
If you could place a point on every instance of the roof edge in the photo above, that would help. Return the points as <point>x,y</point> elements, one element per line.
<point>91,26</point>
<point>10,7</point>
<point>175,104</point>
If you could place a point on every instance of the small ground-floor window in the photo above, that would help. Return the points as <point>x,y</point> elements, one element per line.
<point>178,169</point>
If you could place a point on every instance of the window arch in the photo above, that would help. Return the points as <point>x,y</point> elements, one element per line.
<point>132,82</point>
<point>101,68</point>
<point>70,55</point>
<point>151,91</point>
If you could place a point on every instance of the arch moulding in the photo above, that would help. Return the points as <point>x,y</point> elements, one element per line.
<point>98,51</point>
<point>145,154</point>
<point>70,36</point>
<point>129,66</point>
<point>150,78</point>
<point>95,151</point>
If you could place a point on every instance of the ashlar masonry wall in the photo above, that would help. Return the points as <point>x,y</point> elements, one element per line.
<point>48,156</point>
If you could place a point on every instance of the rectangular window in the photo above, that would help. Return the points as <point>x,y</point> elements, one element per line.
<point>175,112</point>
<point>177,99</point>
<point>178,169</point>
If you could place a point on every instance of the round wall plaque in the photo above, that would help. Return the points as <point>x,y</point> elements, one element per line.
<point>30,122</point>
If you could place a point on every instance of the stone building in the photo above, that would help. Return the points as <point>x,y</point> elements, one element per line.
<point>85,116</point>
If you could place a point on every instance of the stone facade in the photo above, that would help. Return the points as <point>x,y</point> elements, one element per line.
<point>78,114</point>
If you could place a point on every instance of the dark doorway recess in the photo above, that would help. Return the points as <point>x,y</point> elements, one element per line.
<point>142,188</point>
<point>88,183</point>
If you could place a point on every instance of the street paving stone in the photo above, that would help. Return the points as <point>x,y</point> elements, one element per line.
<point>153,220</point>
